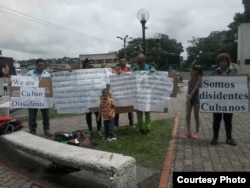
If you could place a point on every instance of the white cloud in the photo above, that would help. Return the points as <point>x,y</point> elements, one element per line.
<point>73,27</point>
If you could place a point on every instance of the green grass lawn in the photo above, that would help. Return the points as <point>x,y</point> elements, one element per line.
<point>148,151</point>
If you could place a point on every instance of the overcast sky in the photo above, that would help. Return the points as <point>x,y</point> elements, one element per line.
<point>58,28</point>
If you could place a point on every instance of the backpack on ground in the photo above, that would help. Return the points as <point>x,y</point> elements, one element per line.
<point>62,136</point>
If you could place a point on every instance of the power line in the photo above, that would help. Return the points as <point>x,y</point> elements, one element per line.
<point>47,23</point>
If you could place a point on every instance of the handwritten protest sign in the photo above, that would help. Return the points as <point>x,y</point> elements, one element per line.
<point>145,91</point>
<point>79,90</point>
<point>152,91</point>
<point>122,88</point>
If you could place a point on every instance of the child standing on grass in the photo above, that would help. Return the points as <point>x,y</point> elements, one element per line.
<point>193,101</point>
<point>107,111</point>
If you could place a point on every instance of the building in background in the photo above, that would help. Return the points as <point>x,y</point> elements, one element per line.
<point>107,58</point>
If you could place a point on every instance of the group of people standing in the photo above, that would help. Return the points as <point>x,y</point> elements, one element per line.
<point>111,122</point>
<point>110,118</point>
<point>106,113</point>
<point>223,61</point>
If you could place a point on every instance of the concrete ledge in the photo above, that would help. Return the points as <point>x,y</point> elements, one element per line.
<point>115,168</point>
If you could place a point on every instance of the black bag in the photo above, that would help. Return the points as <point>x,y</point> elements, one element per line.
<point>66,136</point>
<point>63,136</point>
<point>73,138</point>
<point>78,138</point>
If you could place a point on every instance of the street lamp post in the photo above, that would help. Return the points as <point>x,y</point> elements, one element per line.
<point>143,16</point>
<point>124,43</point>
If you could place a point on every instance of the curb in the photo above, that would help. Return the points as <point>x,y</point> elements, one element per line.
<point>166,171</point>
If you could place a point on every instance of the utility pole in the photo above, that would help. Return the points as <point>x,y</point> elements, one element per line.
<point>124,43</point>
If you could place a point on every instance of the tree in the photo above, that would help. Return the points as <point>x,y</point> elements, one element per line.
<point>156,50</point>
<point>215,43</point>
<point>210,47</point>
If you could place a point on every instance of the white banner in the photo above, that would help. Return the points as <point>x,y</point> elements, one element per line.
<point>29,94</point>
<point>152,91</point>
<point>24,102</point>
<point>122,88</point>
<point>78,90</point>
<point>24,81</point>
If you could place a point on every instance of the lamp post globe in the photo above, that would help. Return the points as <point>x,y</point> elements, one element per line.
<point>143,16</point>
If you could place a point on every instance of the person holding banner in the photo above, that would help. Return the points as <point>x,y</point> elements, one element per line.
<point>39,71</point>
<point>123,68</point>
<point>193,101</point>
<point>223,60</point>
<point>88,64</point>
<point>144,127</point>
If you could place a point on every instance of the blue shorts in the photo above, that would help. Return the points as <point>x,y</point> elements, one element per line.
<point>195,102</point>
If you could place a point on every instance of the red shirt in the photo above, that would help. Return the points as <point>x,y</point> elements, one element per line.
<point>126,69</point>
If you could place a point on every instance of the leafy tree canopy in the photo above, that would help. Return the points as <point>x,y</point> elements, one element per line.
<point>203,51</point>
<point>156,49</point>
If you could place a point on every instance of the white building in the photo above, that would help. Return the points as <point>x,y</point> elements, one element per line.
<point>107,58</point>
<point>243,48</point>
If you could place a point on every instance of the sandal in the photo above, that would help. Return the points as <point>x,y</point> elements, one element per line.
<point>187,135</point>
<point>196,135</point>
